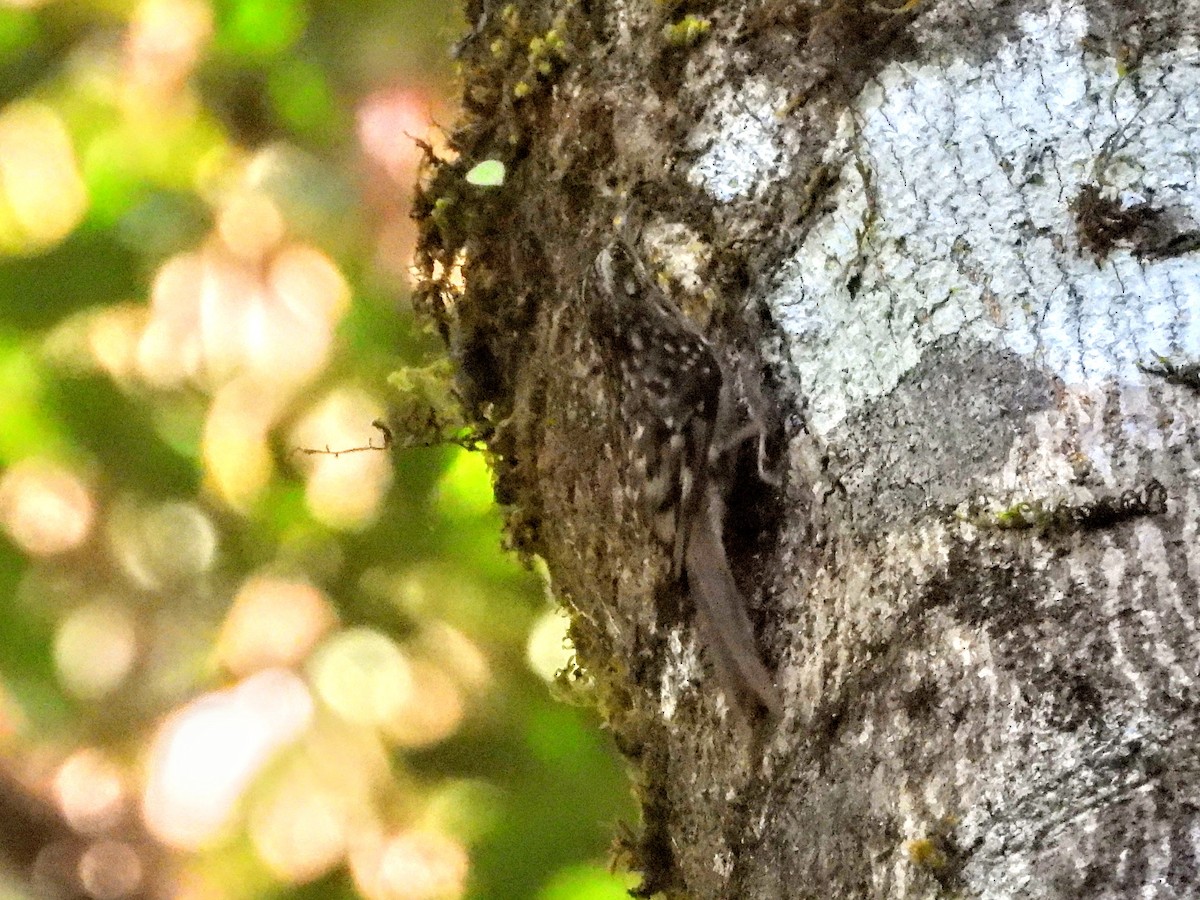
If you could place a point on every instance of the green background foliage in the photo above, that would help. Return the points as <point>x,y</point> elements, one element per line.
<point>191,132</point>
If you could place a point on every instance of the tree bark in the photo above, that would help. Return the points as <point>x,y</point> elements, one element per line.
<point>961,242</point>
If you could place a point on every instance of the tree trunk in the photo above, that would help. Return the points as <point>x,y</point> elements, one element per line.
<point>959,242</point>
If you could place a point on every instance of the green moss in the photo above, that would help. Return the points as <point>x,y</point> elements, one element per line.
<point>440,215</point>
<point>1019,515</point>
<point>425,410</point>
<point>1104,511</point>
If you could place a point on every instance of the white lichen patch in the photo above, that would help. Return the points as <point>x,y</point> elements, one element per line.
<point>681,669</point>
<point>963,226</point>
<point>723,864</point>
<point>740,136</point>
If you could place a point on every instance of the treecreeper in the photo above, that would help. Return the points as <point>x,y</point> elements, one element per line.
<point>689,413</point>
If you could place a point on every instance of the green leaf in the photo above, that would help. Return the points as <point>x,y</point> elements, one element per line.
<point>489,173</point>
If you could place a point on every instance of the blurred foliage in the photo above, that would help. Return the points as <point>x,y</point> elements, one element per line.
<point>310,673</point>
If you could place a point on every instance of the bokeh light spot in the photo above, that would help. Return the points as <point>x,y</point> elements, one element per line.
<point>548,649</point>
<point>237,457</point>
<point>42,193</point>
<point>466,809</point>
<point>164,42</point>
<point>388,120</point>
<point>310,286</point>
<point>343,490</point>
<point>363,676</point>
<point>251,226</point>
<point>170,350</point>
<point>164,544</point>
<point>433,709</point>
<point>90,790</point>
<point>457,653</point>
<point>45,508</point>
<point>206,754</point>
<point>413,865</point>
<point>109,870</point>
<point>300,827</point>
<point>94,649</point>
<point>112,339</point>
<point>220,314</point>
<point>273,622</point>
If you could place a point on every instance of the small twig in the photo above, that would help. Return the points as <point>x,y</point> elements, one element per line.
<point>469,440</point>
<point>327,451</point>
<point>370,445</point>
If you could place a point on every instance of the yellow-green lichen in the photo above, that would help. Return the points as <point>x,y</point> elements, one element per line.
<point>545,55</point>
<point>548,46</point>
<point>926,853</point>
<point>688,31</point>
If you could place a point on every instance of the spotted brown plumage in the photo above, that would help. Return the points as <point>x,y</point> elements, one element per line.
<point>681,407</point>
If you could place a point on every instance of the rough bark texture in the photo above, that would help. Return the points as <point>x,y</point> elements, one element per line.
<point>961,240</point>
